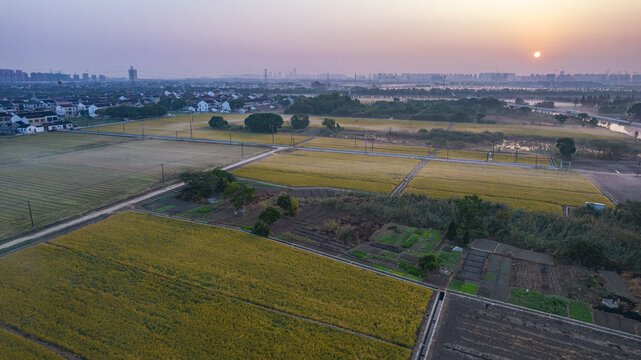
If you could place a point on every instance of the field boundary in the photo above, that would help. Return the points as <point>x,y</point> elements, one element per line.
<point>67,354</point>
<point>601,188</point>
<point>400,187</point>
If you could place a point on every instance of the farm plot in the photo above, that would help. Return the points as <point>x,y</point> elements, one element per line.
<point>543,190</point>
<point>70,183</point>
<point>176,289</point>
<point>344,171</point>
<point>366,145</point>
<point>396,248</point>
<point>24,148</point>
<point>182,126</point>
<point>474,329</point>
<point>544,131</point>
<point>498,157</point>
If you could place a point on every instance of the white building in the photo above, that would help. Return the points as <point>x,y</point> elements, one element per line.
<point>225,108</point>
<point>203,106</point>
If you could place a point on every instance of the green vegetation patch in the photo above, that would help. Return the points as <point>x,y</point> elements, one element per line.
<point>449,258</point>
<point>461,286</point>
<point>538,301</point>
<point>166,208</point>
<point>580,311</point>
<point>359,254</point>
<point>201,210</point>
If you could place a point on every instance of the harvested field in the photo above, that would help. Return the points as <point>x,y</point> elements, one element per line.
<point>91,171</point>
<point>544,131</point>
<point>560,280</point>
<point>522,158</point>
<point>472,329</point>
<point>344,171</point>
<point>365,145</point>
<point>534,189</point>
<point>379,124</point>
<point>176,289</point>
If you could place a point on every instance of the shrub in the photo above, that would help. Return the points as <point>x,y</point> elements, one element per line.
<point>217,122</point>
<point>269,215</point>
<point>580,311</point>
<point>239,194</point>
<point>261,229</point>
<point>288,204</point>
<point>330,123</point>
<point>428,262</point>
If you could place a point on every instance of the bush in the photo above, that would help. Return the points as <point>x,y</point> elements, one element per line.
<point>261,229</point>
<point>299,121</point>
<point>330,123</point>
<point>288,204</point>
<point>264,122</point>
<point>428,262</point>
<point>217,122</point>
<point>202,185</point>
<point>269,215</point>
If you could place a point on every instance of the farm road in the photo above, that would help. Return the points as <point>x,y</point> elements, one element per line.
<point>120,206</point>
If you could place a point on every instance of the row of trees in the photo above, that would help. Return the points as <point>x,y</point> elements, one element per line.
<point>133,112</point>
<point>263,122</point>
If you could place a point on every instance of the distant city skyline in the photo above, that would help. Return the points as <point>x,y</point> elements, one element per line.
<point>198,38</point>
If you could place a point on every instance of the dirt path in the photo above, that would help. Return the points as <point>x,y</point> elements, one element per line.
<point>399,189</point>
<point>60,351</point>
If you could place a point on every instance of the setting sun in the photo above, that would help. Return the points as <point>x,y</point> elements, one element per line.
<point>537,54</point>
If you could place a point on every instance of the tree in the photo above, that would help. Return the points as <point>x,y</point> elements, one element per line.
<point>561,118</point>
<point>428,262</point>
<point>451,231</point>
<point>519,101</point>
<point>217,122</point>
<point>288,204</point>
<point>566,147</point>
<point>635,111</point>
<point>236,104</point>
<point>593,122</point>
<point>261,229</point>
<point>269,215</point>
<point>465,240</point>
<point>471,210</point>
<point>583,116</point>
<point>199,186</point>
<point>299,121</point>
<point>329,123</point>
<point>239,194</point>
<point>264,122</point>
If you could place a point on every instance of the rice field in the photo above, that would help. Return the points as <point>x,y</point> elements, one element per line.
<point>138,286</point>
<point>317,169</point>
<point>544,131</point>
<point>365,145</point>
<point>523,158</point>
<point>352,123</point>
<point>181,126</point>
<point>533,189</point>
<point>64,175</point>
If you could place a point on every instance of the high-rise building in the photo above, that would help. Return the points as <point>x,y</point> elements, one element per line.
<point>85,76</point>
<point>133,74</point>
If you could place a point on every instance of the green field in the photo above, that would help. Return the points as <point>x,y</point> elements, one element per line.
<point>317,169</point>
<point>138,286</point>
<point>534,189</point>
<point>366,145</point>
<point>65,174</point>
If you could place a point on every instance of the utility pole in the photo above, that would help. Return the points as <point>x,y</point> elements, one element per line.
<point>389,136</point>
<point>191,131</point>
<point>30,213</point>
<point>516,155</point>
<point>291,134</point>
<point>176,134</point>
<point>123,128</point>
<point>230,137</point>
<point>143,131</point>
<point>272,134</point>
<point>162,171</point>
<point>242,150</point>
<point>354,142</point>
<point>638,167</point>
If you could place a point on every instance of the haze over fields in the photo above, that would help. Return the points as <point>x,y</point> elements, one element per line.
<point>170,39</point>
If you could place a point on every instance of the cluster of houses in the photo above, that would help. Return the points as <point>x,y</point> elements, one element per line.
<point>34,115</point>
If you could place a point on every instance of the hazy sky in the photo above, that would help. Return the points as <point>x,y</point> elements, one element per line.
<point>169,38</point>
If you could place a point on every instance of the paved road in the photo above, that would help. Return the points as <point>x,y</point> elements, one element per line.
<point>117,207</point>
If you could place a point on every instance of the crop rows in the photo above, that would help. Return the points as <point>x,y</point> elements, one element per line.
<point>346,171</point>
<point>498,157</point>
<point>545,131</point>
<point>62,181</point>
<point>176,289</point>
<point>13,346</point>
<point>543,190</point>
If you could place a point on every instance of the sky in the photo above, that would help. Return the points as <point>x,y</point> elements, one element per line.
<point>193,38</point>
